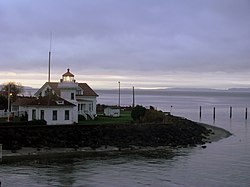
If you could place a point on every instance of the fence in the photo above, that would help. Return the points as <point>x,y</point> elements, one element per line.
<point>12,114</point>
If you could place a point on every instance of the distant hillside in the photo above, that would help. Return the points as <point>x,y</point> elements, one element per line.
<point>239,89</point>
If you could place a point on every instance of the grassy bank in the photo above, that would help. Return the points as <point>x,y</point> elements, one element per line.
<point>125,118</point>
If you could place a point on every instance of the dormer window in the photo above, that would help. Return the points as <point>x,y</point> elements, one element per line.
<point>60,102</point>
<point>68,77</point>
<point>78,92</point>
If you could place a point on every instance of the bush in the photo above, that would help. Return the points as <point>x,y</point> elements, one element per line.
<point>37,122</point>
<point>24,123</point>
<point>81,118</point>
<point>138,113</point>
<point>24,117</point>
<point>153,116</point>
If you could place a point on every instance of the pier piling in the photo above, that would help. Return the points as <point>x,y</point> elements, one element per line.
<point>200,111</point>
<point>214,114</point>
<point>231,112</point>
<point>246,114</point>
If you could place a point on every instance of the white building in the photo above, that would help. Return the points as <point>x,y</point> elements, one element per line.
<point>70,99</point>
<point>112,111</point>
<point>53,109</point>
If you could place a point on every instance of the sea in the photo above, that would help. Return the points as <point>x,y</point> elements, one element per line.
<point>222,163</point>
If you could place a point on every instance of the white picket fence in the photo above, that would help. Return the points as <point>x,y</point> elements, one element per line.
<point>6,114</point>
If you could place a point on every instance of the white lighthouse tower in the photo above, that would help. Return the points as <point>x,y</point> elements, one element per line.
<point>68,87</point>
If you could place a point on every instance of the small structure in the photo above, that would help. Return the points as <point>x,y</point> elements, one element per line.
<point>112,112</point>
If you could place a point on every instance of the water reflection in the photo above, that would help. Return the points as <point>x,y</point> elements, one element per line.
<point>79,169</point>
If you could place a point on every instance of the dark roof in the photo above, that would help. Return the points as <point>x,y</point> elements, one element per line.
<point>54,86</point>
<point>87,91</point>
<point>50,100</point>
<point>23,101</point>
<point>68,74</point>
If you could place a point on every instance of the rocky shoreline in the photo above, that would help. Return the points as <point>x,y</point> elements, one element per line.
<point>35,140</point>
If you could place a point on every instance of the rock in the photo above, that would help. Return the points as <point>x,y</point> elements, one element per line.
<point>203,146</point>
<point>178,133</point>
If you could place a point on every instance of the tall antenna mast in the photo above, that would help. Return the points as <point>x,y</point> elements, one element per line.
<point>50,55</point>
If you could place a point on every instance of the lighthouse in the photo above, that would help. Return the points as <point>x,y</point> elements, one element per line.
<point>68,87</point>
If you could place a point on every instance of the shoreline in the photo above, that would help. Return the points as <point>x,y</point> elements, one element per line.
<point>216,134</point>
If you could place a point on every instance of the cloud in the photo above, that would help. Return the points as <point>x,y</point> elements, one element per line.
<point>123,38</point>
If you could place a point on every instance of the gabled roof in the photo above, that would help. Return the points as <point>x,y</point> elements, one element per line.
<point>54,86</point>
<point>87,91</point>
<point>50,100</point>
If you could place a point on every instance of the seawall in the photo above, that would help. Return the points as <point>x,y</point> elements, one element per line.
<point>94,136</point>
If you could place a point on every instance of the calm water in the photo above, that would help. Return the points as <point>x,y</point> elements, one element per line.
<point>222,163</point>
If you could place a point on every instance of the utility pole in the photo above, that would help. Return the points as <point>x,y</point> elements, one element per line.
<point>133,104</point>
<point>49,56</point>
<point>119,95</point>
<point>9,94</point>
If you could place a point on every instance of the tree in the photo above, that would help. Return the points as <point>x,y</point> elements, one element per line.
<point>138,113</point>
<point>3,102</point>
<point>14,88</point>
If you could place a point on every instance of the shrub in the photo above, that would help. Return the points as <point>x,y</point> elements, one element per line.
<point>138,113</point>
<point>24,117</point>
<point>37,122</point>
<point>153,116</point>
<point>24,123</point>
<point>81,118</point>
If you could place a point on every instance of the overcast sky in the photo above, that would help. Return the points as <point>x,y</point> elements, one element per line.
<point>141,43</point>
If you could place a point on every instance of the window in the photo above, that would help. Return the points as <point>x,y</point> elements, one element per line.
<point>33,114</point>
<point>47,91</point>
<point>78,92</point>
<point>42,114</point>
<point>60,102</point>
<point>54,115</point>
<point>66,115</point>
<point>72,96</point>
<point>90,107</point>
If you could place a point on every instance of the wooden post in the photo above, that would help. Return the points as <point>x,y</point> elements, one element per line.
<point>231,109</point>
<point>214,113</point>
<point>200,111</point>
<point>246,114</point>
